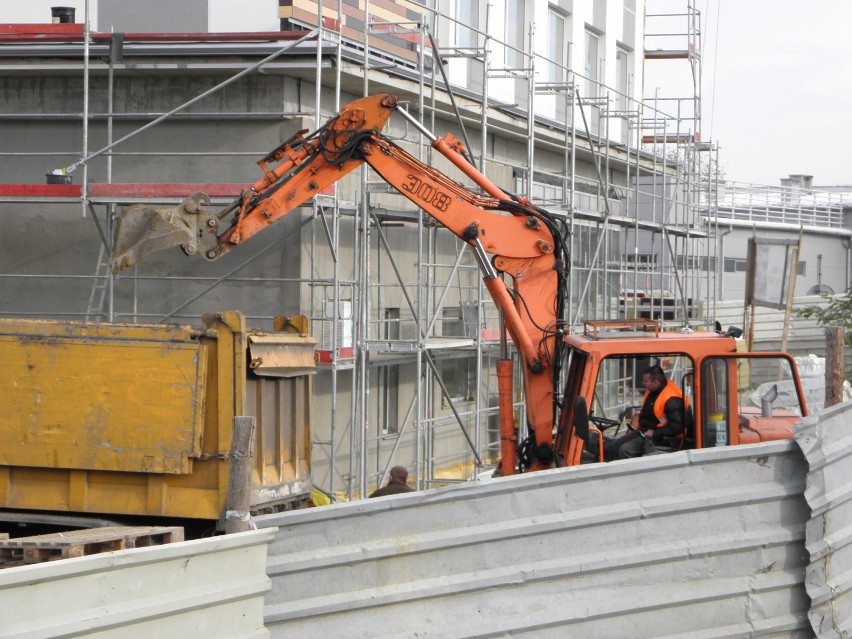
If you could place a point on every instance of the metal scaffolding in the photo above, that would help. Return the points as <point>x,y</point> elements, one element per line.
<point>633,217</point>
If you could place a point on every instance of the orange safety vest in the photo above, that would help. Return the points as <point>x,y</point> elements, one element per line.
<point>670,390</point>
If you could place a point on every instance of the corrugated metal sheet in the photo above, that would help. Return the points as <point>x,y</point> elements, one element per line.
<point>827,443</point>
<point>205,588</point>
<point>701,543</point>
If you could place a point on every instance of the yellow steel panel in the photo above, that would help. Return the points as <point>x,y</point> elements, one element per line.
<point>90,398</point>
<point>281,408</point>
<point>54,328</point>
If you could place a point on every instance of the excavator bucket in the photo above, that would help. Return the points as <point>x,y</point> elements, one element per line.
<point>141,230</point>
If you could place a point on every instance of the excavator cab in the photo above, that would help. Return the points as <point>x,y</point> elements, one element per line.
<point>619,394</point>
<point>732,397</point>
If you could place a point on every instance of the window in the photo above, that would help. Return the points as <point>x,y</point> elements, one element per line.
<point>619,390</point>
<point>592,72</point>
<point>459,377</point>
<point>468,19</point>
<point>740,265</point>
<point>460,321</point>
<point>622,78</point>
<point>515,33</point>
<point>556,45</point>
<point>715,385</point>
<point>745,386</point>
<point>389,380</point>
<point>696,263</point>
<point>591,64</point>
<point>735,265</point>
<point>641,259</point>
<point>549,193</point>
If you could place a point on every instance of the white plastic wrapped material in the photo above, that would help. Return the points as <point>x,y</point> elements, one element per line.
<point>812,387</point>
<point>810,366</point>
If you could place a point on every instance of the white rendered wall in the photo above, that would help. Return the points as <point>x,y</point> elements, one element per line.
<point>246,15</point>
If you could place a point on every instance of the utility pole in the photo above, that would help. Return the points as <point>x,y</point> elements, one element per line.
<point>834,373</point>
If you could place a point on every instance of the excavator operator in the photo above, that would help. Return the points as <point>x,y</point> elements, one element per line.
<point>661,419</point>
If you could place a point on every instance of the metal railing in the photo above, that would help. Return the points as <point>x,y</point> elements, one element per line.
<point>779,204</point>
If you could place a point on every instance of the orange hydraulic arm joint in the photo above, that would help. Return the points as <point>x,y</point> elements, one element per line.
<point>270,198</point>
<point>306,165</point>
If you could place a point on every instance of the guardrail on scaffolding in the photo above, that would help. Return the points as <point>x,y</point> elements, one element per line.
<point>779,204</point>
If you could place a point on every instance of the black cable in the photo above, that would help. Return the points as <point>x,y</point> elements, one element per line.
<point>558,230</point>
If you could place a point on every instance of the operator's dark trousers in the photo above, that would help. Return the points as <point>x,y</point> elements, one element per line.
<point>630,445</point>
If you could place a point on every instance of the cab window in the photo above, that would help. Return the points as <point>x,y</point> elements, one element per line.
<point>737,388</point>
<point>618,388</point>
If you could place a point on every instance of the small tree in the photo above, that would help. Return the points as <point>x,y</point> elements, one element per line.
<point>838,312</point>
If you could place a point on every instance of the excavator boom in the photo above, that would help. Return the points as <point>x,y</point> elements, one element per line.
<point>142,230</point>
<point>524,242</point>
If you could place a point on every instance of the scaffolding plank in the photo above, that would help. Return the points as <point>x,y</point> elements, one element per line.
<point>118,192</point>
<point>41,31</point>
<point>684,138</point>
<point>667,55</point>
<point>175,189</point>
<point>40,190</point>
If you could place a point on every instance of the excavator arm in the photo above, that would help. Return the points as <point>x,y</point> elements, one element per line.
<point>525,241</point>
<point>306,165</point>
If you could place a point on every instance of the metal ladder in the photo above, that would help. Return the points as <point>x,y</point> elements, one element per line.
<point>97,296</point>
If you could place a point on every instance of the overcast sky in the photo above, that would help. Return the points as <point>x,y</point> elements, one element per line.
<point>777,94</point>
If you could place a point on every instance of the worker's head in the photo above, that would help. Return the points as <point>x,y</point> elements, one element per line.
<point>399,473</point>
<point>653,378</point>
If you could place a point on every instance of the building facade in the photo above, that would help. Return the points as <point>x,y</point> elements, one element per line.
<point>546,96</point>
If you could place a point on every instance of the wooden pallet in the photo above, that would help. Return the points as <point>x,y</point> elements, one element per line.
<point>78,543</point>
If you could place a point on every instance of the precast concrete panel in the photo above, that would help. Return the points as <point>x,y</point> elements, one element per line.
<point>705,543</point>
<point>153,16</point>
<point>827,443</point>
<point>204,588</point>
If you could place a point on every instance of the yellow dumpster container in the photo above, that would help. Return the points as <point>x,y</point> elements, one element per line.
<point>136,420</point>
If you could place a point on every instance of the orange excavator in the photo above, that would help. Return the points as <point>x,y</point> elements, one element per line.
<point>511,238</point>
<point>525,241</point>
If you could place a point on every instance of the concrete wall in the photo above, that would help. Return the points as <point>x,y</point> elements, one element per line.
<point>204,588</point>
<point>153,16</point>
<point>827,445</point>
<point>735,542</point>
<point>159,16</point>
<point>696,543</point>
